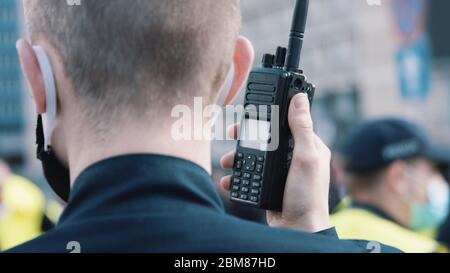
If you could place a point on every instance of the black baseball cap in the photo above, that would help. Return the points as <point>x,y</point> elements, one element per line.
<point>375,144</point>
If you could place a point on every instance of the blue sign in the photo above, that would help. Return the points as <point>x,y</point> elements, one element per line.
<point>414,68</point>
<point>409,15</point>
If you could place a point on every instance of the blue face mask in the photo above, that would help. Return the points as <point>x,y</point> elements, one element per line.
<point>435,211</point>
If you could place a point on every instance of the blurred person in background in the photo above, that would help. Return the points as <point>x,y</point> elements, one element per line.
<point>444,230</point>
<point>24,212</point>
<point>396,189</point>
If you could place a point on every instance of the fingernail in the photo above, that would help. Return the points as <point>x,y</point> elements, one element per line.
<point>300,101</point>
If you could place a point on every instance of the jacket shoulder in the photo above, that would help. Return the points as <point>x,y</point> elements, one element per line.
<point>353,223</point>
<point>203,233</point>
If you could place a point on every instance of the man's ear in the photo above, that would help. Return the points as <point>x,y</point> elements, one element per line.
<point>243,61</point>
<point>395,176</point>
<point>32,72</point>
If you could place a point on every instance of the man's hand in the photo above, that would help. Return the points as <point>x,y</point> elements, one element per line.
<point>305,203</point>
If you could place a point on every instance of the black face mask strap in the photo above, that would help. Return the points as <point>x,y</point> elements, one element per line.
<point>57,175</point>
<point>40,140</point>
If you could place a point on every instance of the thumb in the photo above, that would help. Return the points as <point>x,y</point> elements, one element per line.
<point>301,124</point>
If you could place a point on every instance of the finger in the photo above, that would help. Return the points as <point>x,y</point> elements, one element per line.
<point>233,131</point>
<point>227,161</point>
<point>301,124</point>
<point>225,183</point>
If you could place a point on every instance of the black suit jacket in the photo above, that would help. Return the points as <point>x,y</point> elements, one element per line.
<point>150,203</point>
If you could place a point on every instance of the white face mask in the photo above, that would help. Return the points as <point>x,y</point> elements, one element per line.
<point>435,211</point>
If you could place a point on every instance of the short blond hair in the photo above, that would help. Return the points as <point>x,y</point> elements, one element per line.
<point>141,52</point>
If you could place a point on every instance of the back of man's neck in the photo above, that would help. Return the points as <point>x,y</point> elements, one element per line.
<point>386,204</point>
<point>135,140</point>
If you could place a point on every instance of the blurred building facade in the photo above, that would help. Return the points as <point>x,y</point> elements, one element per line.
<point>12,120</point>
<point>350,54</point>
<point>17,111</point>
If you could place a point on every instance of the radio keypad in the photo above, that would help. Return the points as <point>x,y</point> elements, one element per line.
<point>247,183</point>
<point>259,168</point>
<point>243,196</point>
<point>238,165</point>
<point>247,176</point>
<point>256,185</point>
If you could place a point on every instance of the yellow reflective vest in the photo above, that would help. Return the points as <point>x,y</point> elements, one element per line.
<point>361,224</point>
<point>21,218</point>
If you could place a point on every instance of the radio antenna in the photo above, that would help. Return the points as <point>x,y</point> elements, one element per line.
<point>296,36</point>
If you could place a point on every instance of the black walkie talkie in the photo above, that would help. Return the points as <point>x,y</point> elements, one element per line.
<point>259,172</point>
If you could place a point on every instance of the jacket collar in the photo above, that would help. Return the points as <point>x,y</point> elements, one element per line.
<point>141,183</point>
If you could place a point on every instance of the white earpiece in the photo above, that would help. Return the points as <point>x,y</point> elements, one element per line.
<point>225,93</point>
<point>49,118</point>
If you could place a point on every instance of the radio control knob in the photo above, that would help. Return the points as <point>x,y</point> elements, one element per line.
<point>281,56</point>
<point>268,60</point>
